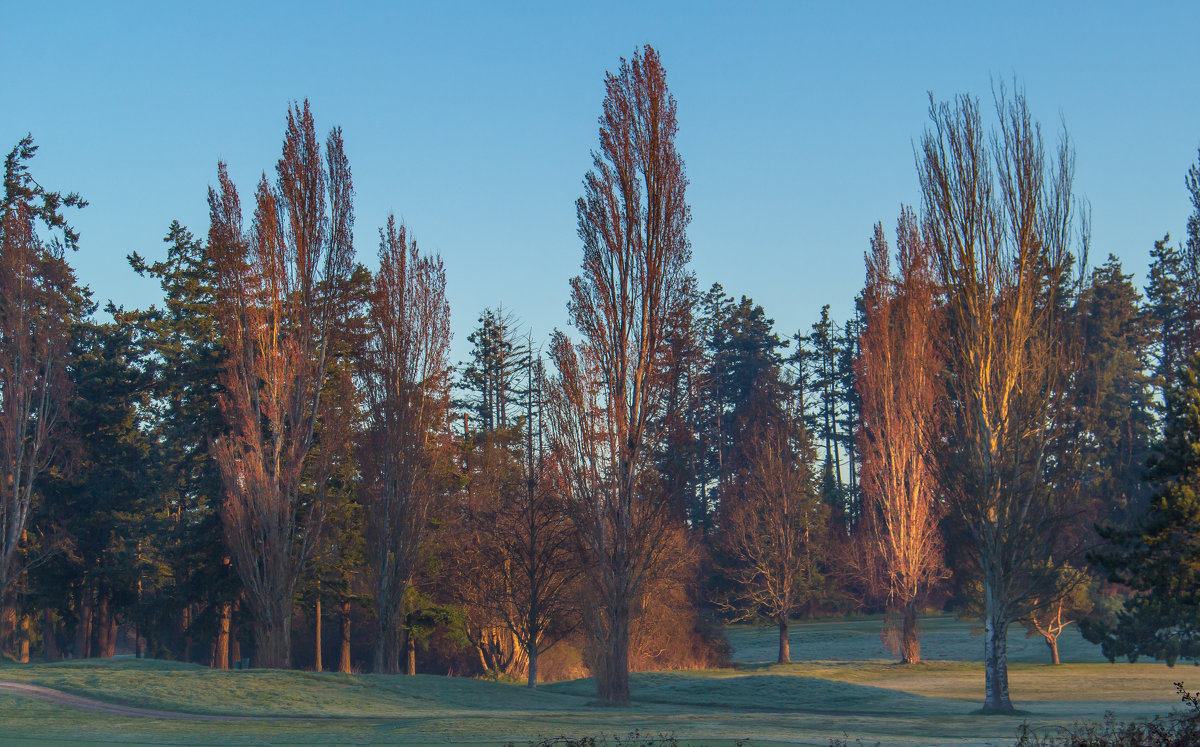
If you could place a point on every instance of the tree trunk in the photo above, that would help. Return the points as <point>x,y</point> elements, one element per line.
<point>910,639</point>
<point>110,633</point>
<point>613,676</point>
<point>410,646</point>
<point>23,639</point>
<point>8,627</point>
<point>100,627</point>
<point>235,646</point>
<point>49,638</point>
<point>317,624</point>
<point>785,649</point>
<point>185,629</point>
<point>387,637</point>
<point>275,644</point>
<point>386,660</point>
<point>995,655</point>
<point>221,654</point>
<point>531,681</point>
<point>1052,644</point>
<point>344,659</point>
<point>83,633</point>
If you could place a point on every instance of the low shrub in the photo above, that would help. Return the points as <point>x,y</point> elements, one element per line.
<point>1181,729</point>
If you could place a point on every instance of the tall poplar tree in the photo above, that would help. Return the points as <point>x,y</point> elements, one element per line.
<point>998,211</point>
<point>406,384</point>
<point>899,372</point>
<point>281,297</point>
<point>611,388</point>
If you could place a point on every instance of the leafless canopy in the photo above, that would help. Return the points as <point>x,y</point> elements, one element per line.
<point>773,530</point>
<point>611,388</point>
<point>999,216</point>
<point>406,393</point>
<point>282,293</point>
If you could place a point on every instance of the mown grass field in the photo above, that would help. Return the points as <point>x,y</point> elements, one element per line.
<point>842,684</point>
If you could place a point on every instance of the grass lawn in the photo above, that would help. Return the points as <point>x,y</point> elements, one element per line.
<point>843,683</point>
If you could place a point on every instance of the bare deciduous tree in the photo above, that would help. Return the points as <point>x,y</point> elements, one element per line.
<point>774,531</point>
<point>999,219</point>
<point>528,571</point>
<point>281,292</point>
<point>632,221</point>
<point>406,394</point>
<point>39,302</point>
<point>898,376</point>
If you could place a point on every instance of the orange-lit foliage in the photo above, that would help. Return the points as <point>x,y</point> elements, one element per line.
<point>898,381</point>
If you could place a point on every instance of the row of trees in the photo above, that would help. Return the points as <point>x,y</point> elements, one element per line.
<point>285,433</point>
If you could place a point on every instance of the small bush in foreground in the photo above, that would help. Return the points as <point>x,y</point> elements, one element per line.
<point>1176,730</point>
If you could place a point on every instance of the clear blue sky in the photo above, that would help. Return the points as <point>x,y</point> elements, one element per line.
<point>473,122</point>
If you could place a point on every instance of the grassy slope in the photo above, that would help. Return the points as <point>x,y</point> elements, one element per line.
<point>841,683</point>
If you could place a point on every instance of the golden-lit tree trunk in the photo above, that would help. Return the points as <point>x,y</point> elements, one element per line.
<point>634,284</point>
<point>898,375</point>
<point>281,306</point>
<point>24,631</point>
<point>999,219</point>
<point>221,654</point>
<point>406,394</point>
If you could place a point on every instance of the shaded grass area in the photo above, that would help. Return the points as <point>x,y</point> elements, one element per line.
<point>842,688</point>
<point>189,688</point>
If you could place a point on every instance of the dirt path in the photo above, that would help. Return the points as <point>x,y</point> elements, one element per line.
<point>87,704</point>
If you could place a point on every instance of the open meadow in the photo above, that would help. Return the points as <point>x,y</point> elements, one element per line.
<point>843,685</point>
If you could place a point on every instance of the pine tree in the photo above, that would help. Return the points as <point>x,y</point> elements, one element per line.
<point>102,510</point>
<point>1160,559</point>
<point>1173,293</point>
<point>824,371</point>
<point>851,419</point>
<point>186,357</point>
<point>1113,395</point>
<point>491,377</point>
<point>713,441</point>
